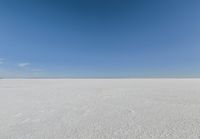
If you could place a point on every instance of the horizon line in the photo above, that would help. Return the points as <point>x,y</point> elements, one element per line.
<point>99,78</point>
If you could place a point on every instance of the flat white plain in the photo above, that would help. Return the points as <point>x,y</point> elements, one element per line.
<point>100,109</point>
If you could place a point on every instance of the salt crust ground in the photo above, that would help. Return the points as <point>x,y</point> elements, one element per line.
<point>100,109</point>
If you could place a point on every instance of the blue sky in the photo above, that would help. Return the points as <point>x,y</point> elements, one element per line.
<point>100,38</point>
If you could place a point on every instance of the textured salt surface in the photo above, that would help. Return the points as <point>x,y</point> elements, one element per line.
<point>100,109</point>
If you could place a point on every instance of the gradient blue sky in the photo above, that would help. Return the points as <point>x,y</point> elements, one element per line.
<point>100,38</point>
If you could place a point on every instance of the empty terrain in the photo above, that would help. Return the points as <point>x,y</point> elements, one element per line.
<point>99,108</point>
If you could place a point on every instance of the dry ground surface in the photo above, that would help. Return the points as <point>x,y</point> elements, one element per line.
<point>100,109</point>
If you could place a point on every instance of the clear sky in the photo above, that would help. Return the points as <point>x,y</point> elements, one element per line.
<point>99,38</point>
